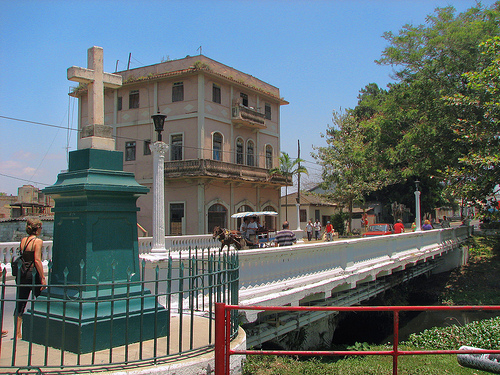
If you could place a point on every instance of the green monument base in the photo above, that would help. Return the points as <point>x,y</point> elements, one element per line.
<point>95,239</point>
<point>64,320</point>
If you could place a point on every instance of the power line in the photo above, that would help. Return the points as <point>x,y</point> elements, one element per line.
<point>260,154</point>
<point>25,180</point>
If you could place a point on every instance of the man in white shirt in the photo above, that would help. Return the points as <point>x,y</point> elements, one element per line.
<point>252,230</point>
<point>317,229</point>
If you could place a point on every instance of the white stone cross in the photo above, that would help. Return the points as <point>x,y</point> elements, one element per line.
<point>96,80</point>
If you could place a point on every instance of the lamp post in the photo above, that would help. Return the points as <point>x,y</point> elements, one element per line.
<point>159,149</point>
<point>418,221</point>
<point>298,210</point>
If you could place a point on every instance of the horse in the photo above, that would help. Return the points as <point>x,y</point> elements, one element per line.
<point>227,238</point>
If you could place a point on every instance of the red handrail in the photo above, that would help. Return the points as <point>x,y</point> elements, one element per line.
<point>223,345</point>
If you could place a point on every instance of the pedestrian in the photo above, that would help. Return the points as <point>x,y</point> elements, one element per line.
<point>317,229</point>
<point>413,227</point>
<point>399,227</point>
<point>445,223</point>
<point>427,225</point>
<point>329,231</point>
<point>285,237</point>
<point>31,252</point>
<point>309,230</point>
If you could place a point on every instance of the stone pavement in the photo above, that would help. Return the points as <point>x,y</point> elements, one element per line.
<point>99,361</point>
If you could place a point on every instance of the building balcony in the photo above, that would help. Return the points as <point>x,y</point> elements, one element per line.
<point>218,169</point>
<point>245,116</point>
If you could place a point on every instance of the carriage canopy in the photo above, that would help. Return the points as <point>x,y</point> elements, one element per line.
<point>253,213</point>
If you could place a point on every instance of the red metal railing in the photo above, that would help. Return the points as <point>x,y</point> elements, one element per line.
<point>223,324</point>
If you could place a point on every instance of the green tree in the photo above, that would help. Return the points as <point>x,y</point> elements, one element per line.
<point>478,130</point>
<point>288,168</point>
<point>410,125</point>
<point>350,169</point>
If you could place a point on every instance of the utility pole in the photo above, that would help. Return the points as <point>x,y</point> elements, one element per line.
<point>298,186</point>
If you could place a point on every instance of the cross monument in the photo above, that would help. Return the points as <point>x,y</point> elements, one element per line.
<point>95,134</point>
<point>95,240</point>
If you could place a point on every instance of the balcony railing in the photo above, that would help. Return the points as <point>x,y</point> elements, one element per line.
<point>248,117</point>
<point>215,168</point>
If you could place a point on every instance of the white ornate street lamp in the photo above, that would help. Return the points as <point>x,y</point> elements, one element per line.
<point>418,221</point>
<point>159,149</point>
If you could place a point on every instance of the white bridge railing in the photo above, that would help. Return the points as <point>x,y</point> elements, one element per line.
<point>274,264</point>
<point>278,264</point>
<point>175,244</point>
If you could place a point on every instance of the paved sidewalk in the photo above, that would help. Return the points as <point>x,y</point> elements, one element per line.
<point>99,361</point>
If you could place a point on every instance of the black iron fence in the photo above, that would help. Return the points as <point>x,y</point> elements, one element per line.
<point>166,312</point>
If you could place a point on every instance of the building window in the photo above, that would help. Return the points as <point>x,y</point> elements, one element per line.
<point>239,151</point>
<point>268,111</point>
<point>217,146</point>
<point>133,99</point>
<point>176,216</point>
<point>244,99</point>
<point>250,154</point>
<point>147,150</point>
<point>269,157</point>
<point>129,151</point>
<point>217,215</point>
<point>119,104</point>
<point>216,97</point>
<point>178,92</point>
<point>176,147</point>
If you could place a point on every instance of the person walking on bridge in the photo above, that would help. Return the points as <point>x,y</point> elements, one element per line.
<point>329,231</point>
<point>309,230</point>
<point>317,229</point>
<point>285,237</point>
<point>399,227</point>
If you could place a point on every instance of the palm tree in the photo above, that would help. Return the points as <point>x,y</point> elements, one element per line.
<point>288,168</point>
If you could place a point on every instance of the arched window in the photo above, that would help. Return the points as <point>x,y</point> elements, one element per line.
<point>217,146</point>
<point>245,208</point>
<point>239,151</point>
<point>269,157</point>
<point>217,216</point>
<point>250,154</point>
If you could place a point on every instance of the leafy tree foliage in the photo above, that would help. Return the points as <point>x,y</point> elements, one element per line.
<point>478,129</point>
<point>412,131</point>
<point>350,168</point>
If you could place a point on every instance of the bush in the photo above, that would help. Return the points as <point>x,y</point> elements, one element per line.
<point>483,334</point>
<point>338,222</point>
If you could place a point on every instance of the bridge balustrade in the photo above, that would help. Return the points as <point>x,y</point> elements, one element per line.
<point>272,265</point>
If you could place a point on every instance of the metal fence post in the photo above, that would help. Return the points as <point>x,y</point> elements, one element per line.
<point>220,338</point>
<point>395,343</point>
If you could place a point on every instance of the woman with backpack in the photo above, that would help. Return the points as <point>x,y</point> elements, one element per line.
<point>31,254</point>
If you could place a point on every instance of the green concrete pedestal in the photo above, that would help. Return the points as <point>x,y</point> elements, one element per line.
<point>95,238</point>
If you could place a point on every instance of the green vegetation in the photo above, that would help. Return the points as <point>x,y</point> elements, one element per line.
<point>288,168</point>
<point>472,284</point>
<point>438,123</point>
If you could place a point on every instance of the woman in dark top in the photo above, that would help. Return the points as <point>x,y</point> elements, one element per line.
<point>31,251</point>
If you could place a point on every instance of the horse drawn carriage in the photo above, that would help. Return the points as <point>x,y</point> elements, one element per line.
<point>251,235</point>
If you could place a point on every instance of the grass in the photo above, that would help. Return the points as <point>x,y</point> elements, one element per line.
<point>474,284</point>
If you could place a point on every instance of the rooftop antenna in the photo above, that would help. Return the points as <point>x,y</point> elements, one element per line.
<point>116,66</point>
<point>199,48</point>
<point>129,56</point>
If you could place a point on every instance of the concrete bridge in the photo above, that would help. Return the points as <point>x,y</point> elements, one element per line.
<point>342,272</point>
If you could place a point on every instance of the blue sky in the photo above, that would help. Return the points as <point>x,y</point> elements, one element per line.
<point>318,53</point>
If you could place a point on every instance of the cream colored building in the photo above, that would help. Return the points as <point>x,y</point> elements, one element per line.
<point>223,128</point>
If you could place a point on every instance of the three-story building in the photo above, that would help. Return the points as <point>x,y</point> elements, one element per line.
<point>223,128</point>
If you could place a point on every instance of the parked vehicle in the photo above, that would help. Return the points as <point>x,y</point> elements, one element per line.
<point>379,230</point>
